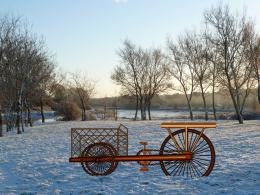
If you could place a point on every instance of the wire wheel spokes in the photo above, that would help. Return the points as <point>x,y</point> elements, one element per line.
<point>203,154</point>
<point>98,150</point>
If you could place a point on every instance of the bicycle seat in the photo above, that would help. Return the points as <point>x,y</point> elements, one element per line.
<point>143,143</point>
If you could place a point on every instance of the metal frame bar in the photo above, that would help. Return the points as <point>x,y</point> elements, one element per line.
<point>183,156</point>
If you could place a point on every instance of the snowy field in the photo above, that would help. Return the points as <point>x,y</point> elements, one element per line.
<point>36,162</point>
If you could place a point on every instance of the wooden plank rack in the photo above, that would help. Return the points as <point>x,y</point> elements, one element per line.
<point>188,125</point>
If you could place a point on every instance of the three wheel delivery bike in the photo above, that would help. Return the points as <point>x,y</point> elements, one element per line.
<point>186,151</point>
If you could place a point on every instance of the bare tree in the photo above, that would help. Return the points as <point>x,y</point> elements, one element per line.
<point>45,81</point>
<point>1,122</point>
<point>182,70</point>
<point>214,66</point>
<point>196,50</point>
<point>125,74</point>
<point>158,76</point>
<point>142,74</point>
<point>142,80</point>
<point>11,48</point>
<point>229,36</point>
<point>84,89</point>
<point>253,54</point>
<point>23,64</point>
<point>256,65</point>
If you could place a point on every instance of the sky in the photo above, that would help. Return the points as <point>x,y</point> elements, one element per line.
<point>85,35</point>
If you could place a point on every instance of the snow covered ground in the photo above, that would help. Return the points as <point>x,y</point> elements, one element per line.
<point>36,162</point>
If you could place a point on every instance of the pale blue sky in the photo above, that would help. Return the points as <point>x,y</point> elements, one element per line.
<point>84,35</point>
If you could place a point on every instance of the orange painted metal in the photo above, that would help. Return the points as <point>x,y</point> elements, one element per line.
<point>172,157</point>
<point>145,151</point>
<point>144,169</point>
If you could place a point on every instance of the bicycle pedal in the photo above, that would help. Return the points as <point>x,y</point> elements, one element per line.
<point>144,169</point>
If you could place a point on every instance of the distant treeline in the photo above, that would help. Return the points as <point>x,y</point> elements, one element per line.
<point>177,102</point>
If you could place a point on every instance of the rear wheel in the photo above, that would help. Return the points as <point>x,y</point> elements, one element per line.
<point>98,150</point>
<point>203,154</point>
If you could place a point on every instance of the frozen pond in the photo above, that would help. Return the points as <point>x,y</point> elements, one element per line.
<point>155,114</point>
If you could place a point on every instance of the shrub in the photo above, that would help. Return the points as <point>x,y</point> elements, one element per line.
<point>68,111</point>
<point>91,116</point>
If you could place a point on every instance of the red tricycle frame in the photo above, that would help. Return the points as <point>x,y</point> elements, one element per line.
<point>185,151</point>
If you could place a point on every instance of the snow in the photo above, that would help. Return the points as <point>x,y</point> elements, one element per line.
<point>37,162</point>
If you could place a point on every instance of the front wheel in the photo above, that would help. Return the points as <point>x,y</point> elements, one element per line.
<point>203,154</point>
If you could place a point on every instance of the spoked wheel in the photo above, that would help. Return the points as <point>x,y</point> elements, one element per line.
<point>98,150</point>
<point>203,154</point>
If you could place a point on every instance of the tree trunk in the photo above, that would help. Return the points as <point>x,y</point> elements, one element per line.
<point>22,125</point>
<point>205,107</point>
<point>8,126</point>
<point>7,123</point>
<point>81,114</point>
<point>238,113</point>
<point>204,101</point>
<point>1,124</point>
<point>237,109</point>
<point>29,116</point>
<point>239,116</point>
<point>236,106</point>
<point>213,102</point>
<point>18,122</point>
<point>42,112</point>
<point>83,110</point>
<point>136,107</point>
<point>258,91</point>
<point>26,118</point>
<point>190,109</point>
<point>143,109</point>
<point>144,114</point>
<point>149,109</point>
<point>84,114</point>
<point>189,106</point>
<point>105,111</point>
<point>116,113</point>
